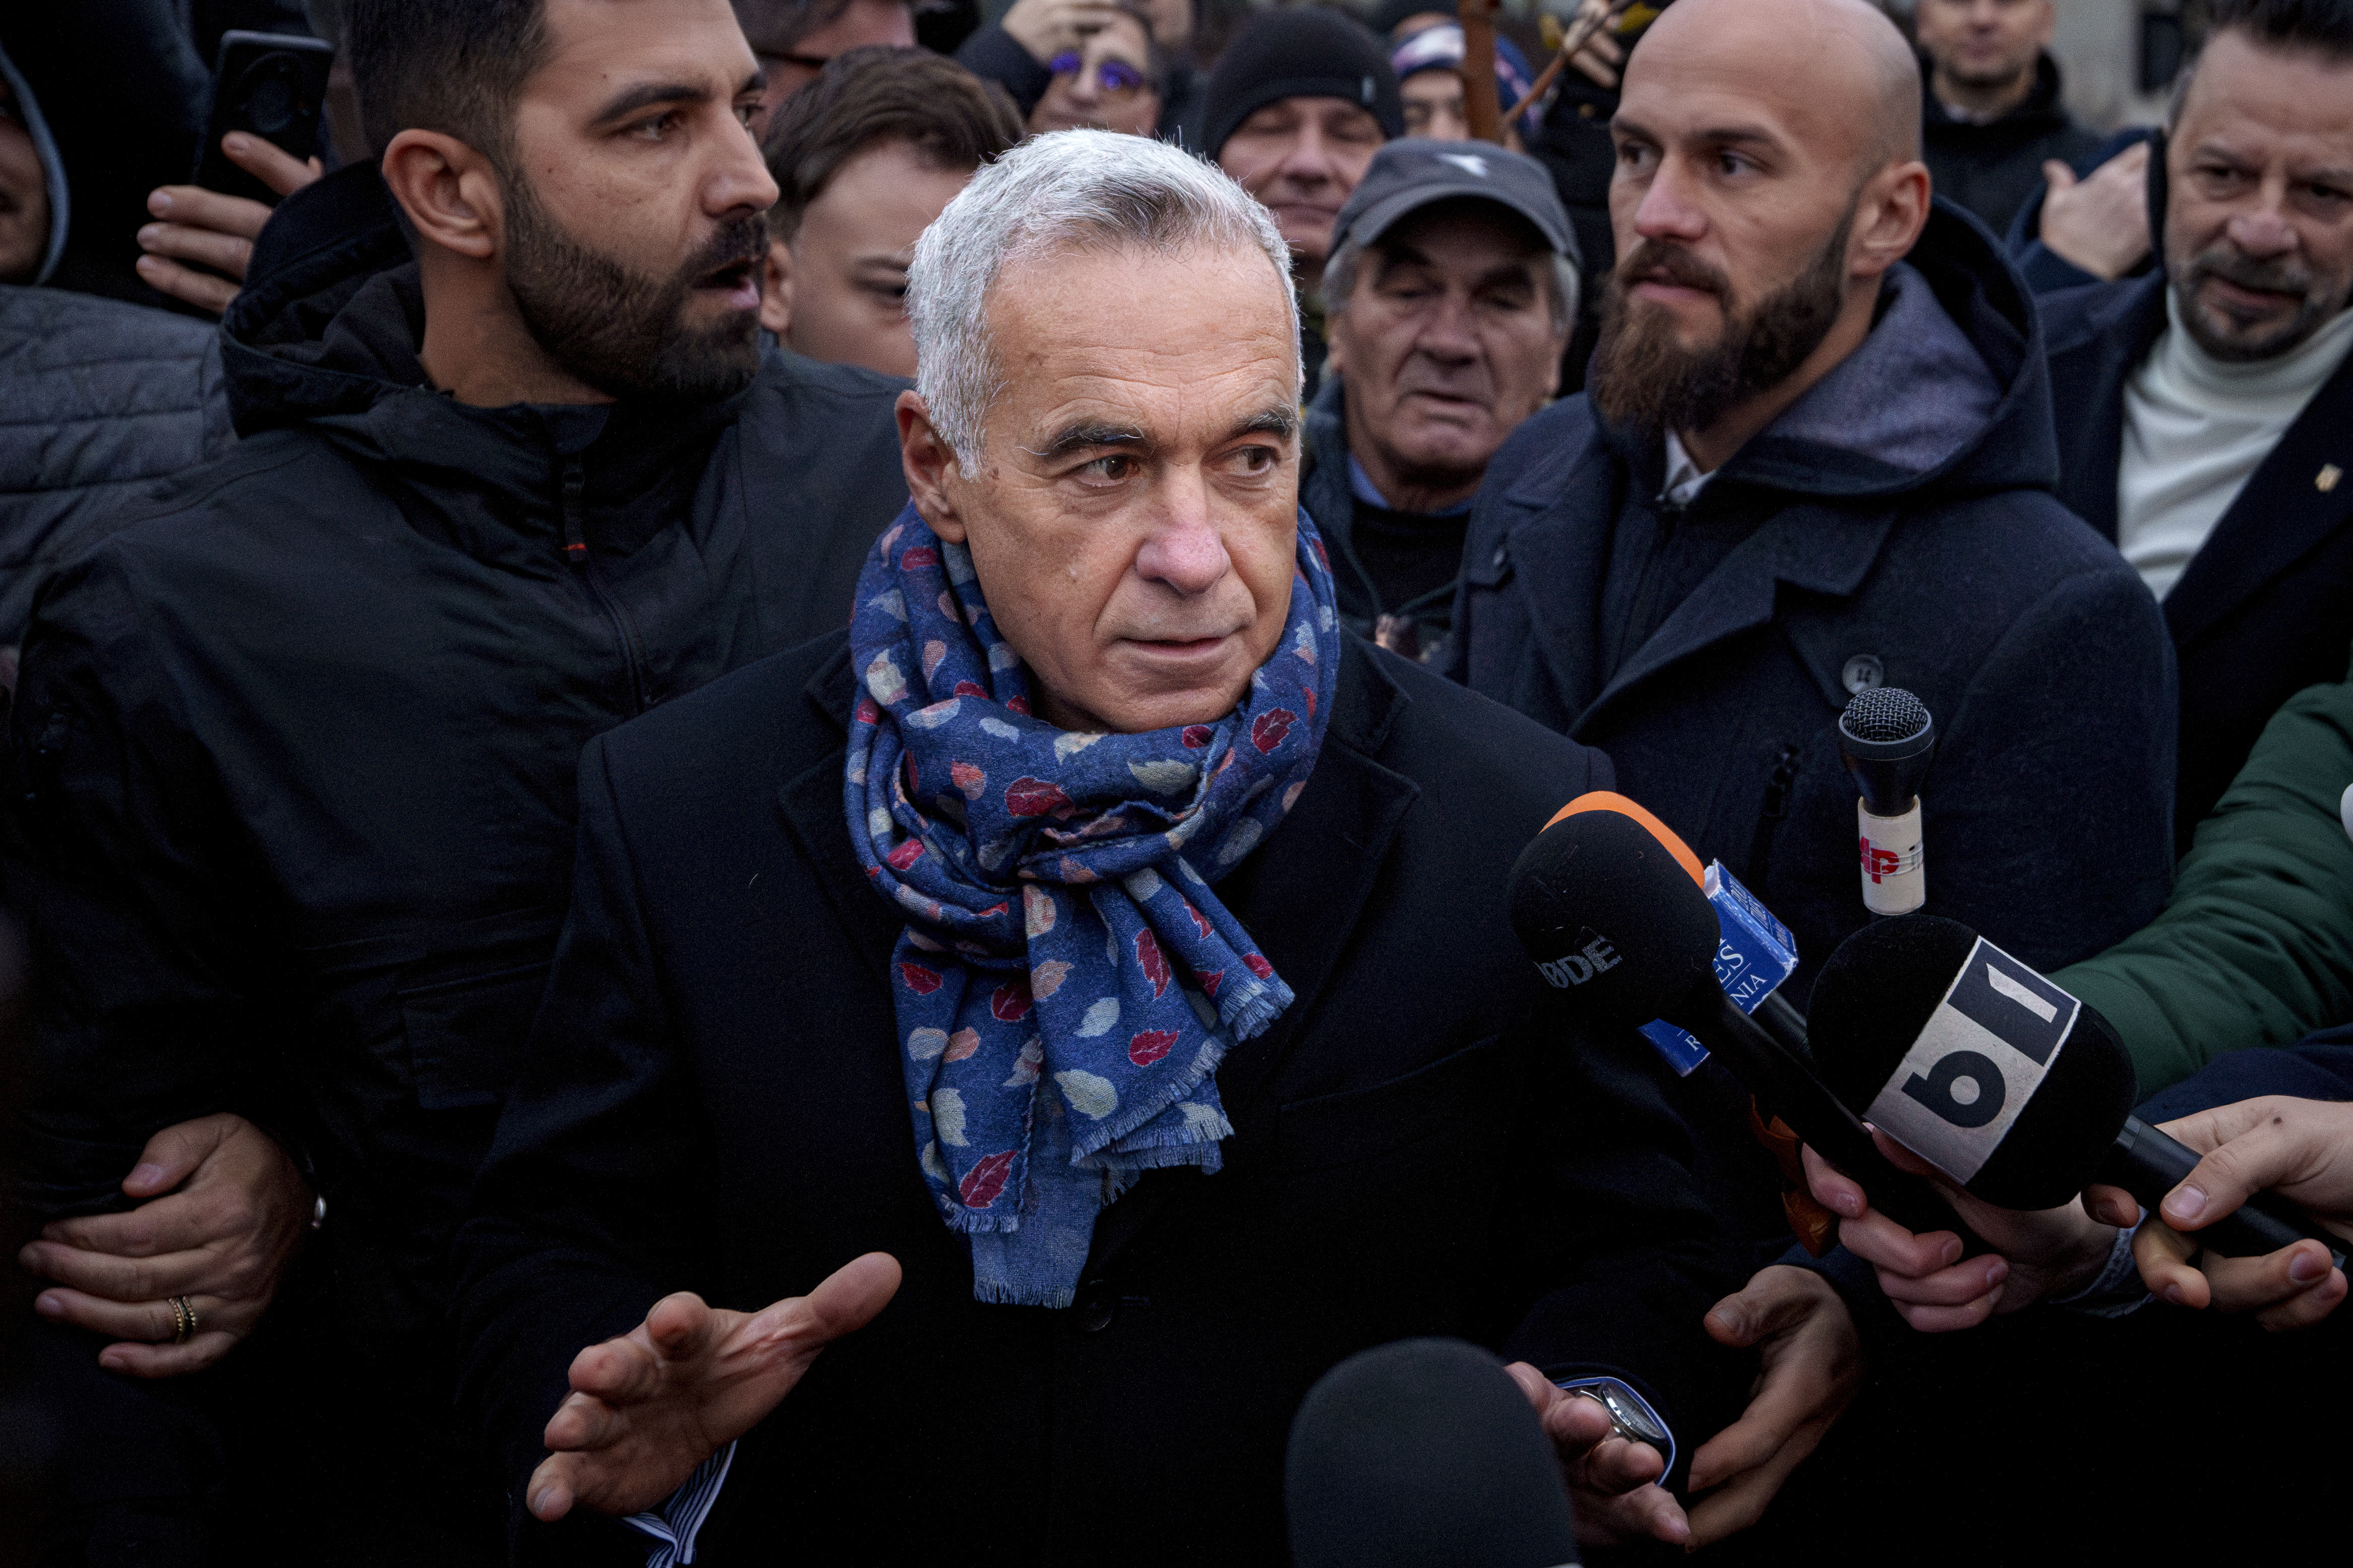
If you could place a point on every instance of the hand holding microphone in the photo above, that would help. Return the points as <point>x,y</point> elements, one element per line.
<point>2014,1089</point>
<point>2299,1148</point>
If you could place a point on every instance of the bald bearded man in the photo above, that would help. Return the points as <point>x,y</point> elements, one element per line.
<point>1815,455</point>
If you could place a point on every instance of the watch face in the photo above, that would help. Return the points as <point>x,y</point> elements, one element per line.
<point>1630,1419</point>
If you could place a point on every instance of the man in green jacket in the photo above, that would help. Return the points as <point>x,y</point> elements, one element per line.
<point>2255,946</point>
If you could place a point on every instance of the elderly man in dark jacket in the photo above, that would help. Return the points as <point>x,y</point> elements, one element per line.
<point>294,746</point>
<point>1097,932</point>
<point>1696,564</point>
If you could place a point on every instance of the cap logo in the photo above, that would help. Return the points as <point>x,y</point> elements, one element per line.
<point>1364,90</point>
<point>1468,163</point>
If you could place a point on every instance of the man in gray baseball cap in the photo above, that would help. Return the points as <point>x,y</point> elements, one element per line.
<point>1450,293</point>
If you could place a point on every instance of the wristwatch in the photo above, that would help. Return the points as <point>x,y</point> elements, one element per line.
<point>1631,1416</point>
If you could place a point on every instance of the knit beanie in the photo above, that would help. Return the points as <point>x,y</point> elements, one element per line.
<point>1307,52</point>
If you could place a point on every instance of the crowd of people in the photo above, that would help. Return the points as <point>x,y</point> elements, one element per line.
<point>760,776</point>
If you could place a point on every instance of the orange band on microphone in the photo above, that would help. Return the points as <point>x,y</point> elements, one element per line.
<point>1606,800</point>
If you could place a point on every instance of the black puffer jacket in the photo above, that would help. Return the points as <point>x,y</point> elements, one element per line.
<point>97,397</point>
<point>294,747</point>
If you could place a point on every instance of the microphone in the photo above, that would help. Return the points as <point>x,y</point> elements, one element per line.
<point>1423,1454</point>
<point>1888,740</point>
<point>2018,1092</point>
<point>1607,902</point>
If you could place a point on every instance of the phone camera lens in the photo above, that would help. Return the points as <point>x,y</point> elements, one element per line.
<point>270,109</point>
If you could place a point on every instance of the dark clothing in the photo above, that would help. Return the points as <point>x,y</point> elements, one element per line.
<point>713,1101</point>
<point>1387,565</point>
<point>2318,1066</point>
<point>1992,168</point>
<point>1894,525</point>
<point>2265,607</point>
<point>2044,269</point>
<point>995,55</point>
<point>123,86</point>
<point>103,399</point>
<point>292,759</point>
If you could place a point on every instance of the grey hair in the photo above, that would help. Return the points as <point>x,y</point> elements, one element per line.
<point>1068,190</point>
<point>1340,282</point>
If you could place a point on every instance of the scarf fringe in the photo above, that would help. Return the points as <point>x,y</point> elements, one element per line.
<point>997,1293</point>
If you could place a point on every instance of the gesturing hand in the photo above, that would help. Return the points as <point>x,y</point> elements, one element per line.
<point>1811,1365</point>
<point>2302,1149</point>
<point>212,229</point>
<point>646,1409</point>
<point>1612,1483</point>
<point>226,1211</point>
<point>2049,1252</point>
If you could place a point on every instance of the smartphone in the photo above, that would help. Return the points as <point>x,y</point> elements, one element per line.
<point>270,85</point>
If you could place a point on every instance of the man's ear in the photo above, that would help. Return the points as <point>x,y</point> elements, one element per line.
<point>1888,220</point>
<point>931,468</point>
<point>449,192</point>
<point>776,288</point>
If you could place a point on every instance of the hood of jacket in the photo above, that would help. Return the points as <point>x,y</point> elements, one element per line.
<point>2039,114</point>
<point>1950,392</point>
<point>53,167</point>
<point>324,337</point>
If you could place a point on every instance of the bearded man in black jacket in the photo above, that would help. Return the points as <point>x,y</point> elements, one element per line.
<point>295,742</point>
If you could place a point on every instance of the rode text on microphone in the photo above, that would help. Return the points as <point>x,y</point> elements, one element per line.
<point>1978,1060</point>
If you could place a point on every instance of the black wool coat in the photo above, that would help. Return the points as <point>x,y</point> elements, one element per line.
<point>714,1101</point>
<point>2265,607</point>
<point>2037,652</point>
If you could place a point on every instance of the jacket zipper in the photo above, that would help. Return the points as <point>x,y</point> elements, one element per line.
<point>575,551</point>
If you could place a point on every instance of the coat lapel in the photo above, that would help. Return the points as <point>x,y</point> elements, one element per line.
<point>1810,547</point>
<point>1301,897</point>
<point>2089,370</point>
<point>2295,499</point>
<point>813,813</point>
<point>1562,555</point>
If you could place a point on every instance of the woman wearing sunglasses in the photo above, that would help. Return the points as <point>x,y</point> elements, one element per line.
<point>1110,82</point>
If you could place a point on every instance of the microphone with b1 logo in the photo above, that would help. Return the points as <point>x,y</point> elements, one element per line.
<point>1887,741</point>
<point>2014,1089</point>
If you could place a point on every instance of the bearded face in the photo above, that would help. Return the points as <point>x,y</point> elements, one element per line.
<point>1646,379</point>
<point>623,332</point>
<point>2230,326</point>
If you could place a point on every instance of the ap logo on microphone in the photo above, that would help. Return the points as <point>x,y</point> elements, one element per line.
<point>1980,1059</point>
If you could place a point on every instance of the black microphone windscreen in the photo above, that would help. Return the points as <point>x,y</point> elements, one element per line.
<point>1423,1454</point>
<point>1876,998</point>
<point>1611,915</point>
<point>1884,714</point>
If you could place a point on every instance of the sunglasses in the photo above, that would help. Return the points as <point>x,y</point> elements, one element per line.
<point>1116,78</point>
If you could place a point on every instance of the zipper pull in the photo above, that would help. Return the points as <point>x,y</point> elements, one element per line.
<point>575,538</point>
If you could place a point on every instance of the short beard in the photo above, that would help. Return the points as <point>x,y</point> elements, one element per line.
<point>623,333</point>
<point>1643,382</point>
<point>2220,260</point>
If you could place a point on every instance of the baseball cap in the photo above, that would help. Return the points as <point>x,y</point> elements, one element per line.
<point>1408,174</point>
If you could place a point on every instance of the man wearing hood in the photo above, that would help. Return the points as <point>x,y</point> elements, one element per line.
<point>104,397</point>
<point>1991,115</point>
<point>296,741</point>
<point>1806,465</point>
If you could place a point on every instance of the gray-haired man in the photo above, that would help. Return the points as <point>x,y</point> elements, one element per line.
<point>1087,975</point>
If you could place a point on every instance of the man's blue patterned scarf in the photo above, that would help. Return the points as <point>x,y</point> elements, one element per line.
<point>1067,982</point>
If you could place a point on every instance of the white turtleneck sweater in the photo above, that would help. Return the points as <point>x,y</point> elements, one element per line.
<point>2195,427</point>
